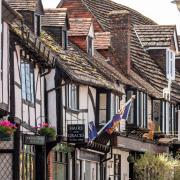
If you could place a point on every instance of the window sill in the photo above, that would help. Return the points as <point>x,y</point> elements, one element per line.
<point>74,111</point>
<point>28,103</point>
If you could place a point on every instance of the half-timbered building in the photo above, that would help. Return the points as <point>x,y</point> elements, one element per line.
<point>145,52</point>
<point>78,64</point>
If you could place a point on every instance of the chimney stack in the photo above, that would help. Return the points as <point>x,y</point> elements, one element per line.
<point>120,28</point>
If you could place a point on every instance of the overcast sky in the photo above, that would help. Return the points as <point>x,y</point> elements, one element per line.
<point>161,11</point>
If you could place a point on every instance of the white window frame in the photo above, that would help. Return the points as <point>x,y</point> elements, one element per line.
<point>72,91</point>
<point>170,64</point>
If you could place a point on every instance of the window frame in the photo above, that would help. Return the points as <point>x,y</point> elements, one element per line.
<point>26,91</point>
<point>170,64</point>
<point>138,106</point>
<point>90,45</point>
<point>168,118</point>
<point>69,97</point>
<point>108,106</point>
<point>64,39</point>
<point>37,24</point>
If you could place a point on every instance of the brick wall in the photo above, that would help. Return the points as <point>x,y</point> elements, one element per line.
<point>76,9</point>
<point>80,41</point>
<point>120,28</point>
<point>50,165</point>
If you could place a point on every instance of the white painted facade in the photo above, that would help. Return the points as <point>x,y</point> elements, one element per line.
<point>4,69</point>
<point>30,113</point>
<point>124,165</point>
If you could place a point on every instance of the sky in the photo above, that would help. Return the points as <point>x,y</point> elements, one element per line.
<point>161,11</point>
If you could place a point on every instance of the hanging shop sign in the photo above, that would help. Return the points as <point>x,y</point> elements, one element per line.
<point>33,140</point>
<point>76,133</point>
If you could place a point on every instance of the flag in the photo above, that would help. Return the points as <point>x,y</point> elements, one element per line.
<point>92,132</point>
<point>117,118</point>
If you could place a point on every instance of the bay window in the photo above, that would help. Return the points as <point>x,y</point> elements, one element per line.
<point>138,110</point>
<point>168,119</point>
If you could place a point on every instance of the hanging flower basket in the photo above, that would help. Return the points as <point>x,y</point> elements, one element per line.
<point>48,132</point>
<point>6,130</point>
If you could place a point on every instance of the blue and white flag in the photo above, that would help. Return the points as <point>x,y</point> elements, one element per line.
<point>92,132</point>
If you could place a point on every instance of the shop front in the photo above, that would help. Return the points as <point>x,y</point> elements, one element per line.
<point>87,164</point>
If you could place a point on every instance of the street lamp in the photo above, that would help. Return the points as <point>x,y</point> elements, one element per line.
<point>177,2</point>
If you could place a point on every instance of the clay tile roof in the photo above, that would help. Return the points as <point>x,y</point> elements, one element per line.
<point>78,66</point>
<point>54,17</point>
<point>101,8</point>
<point>79,26</point>
<point>155,35</point>
<point>30,5</point>
<point>179,40</point>
<point>102,40</point>
<point>9,14</point>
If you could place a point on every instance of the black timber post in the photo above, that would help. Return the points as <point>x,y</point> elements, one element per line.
<point>41,163</point>
<point>16,161</point>
<point>59,101</point>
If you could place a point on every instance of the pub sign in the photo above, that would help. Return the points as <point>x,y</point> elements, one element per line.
<point>76,133</point>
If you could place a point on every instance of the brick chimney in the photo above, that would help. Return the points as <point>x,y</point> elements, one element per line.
<point>120,28</point>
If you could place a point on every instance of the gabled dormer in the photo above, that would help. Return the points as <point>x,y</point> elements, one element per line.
<point>102,44</point>
<point>55,21</point>
<point>81,33</point>
<point>160,41</point>
<point>31,10</point>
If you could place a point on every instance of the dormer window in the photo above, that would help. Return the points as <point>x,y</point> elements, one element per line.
<point>170,64</point>
<point>90,46</point>
<point>37,24</point>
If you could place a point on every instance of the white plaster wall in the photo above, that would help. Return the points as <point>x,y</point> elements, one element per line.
<point>50,84</point>
<point>83,104</point>
<point>42,99</point>
<point>91,113</point>
<point>18,104</point>
<point>124,165</point>
<point>32,116</point>
<point>37,82</point>
<point>25,113</point>
<point>5,62</point>
<point>17,79</point>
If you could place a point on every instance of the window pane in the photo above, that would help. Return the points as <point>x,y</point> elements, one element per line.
<point>102,98</point>
<point>32,88</point>
<point>131,112</point>
<point>28,82</point>
<point>23,81</point>
<point>102,116</point>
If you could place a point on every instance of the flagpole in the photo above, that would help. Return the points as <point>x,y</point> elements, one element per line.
<point>131,99</point>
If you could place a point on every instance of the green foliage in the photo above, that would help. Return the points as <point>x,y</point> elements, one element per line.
<point>47,131</point>
<point>157,167</point>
